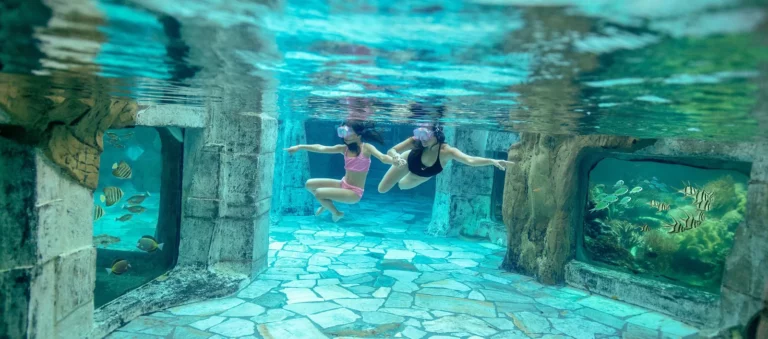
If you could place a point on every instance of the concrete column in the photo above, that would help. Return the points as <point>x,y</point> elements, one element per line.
<point>47,261</point>
<point>291,172</point>
<point>228,179</point>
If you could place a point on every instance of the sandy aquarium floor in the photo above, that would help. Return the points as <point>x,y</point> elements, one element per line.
<point>377,275</point>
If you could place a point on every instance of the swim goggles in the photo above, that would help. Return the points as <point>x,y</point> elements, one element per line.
<point>343,131</point>
<point>423,134</point>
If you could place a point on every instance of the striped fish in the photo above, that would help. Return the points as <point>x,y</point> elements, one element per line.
<point>645,228</point>
<point>676,226</point>
<point>701,216</point>
<point>689,221</point>
<point>111,195</point>
<point>688,190</point>
<point>704,205</point>
<point>122,170</point>
<point>98,212</point>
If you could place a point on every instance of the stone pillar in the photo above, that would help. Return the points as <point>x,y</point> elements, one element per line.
<point>47,261</point>
<point>228,191</point>
<point>291,172</point>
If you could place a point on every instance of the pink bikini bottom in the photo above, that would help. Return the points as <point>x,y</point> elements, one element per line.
<point>359,191</point>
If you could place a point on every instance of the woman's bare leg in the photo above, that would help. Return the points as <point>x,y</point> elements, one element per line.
<point>313,185</point>
<point>326,197</point>
<point>393,175</point>
<point>411,180</point>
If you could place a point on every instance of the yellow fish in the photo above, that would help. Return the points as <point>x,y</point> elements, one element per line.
<point>148,244</point>
<point>122,170</point>
<point>111,195</point>
<point>125,217</point>
<point>119,266</point>
<point>98,212</point>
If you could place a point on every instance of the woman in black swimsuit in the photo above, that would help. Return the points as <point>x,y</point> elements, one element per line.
<point>426,153</point>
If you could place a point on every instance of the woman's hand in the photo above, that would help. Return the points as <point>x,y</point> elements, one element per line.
<point>501,164</point>
<point>398,161</point>
<point>292,149</point>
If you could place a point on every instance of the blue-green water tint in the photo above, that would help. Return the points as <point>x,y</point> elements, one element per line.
<point>140,148</point>
<point>648,69</point>
<point>635,236</point>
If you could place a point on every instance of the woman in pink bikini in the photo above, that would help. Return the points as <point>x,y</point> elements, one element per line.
<point>357,160</point>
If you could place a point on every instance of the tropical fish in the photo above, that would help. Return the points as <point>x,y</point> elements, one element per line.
<point>98,212</point>
<point>690,222</point>
<point>135,209</point>
<point>611,198</point>
<point>624,201</point>
<point>125,217</point>
<point>138,199</point>
<point>600,206</point>
<point>148,244</point>
<point>537,189</point>
<point>688,190</point>
<point>621,191</point>
<point>601,196</point>
<point>104,240</point>
<point>637,189</point>
<point>660,206</point>
<point>701,215</point>
<point>122,170</point>
<point>645,228</point>
<point>119,266</point>
<point>619,183</point>
<point>676,226</point>
<point>111,195</point>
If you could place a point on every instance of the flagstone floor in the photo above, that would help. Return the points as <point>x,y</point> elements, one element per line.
<point>377,275</point>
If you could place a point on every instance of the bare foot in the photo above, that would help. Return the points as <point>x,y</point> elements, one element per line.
<point>337,217</point>
<point>319,211</point>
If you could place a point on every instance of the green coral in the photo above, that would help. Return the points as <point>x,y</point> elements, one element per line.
<point>725,196</point>
<point>703,250</point>
<point>626,234</point>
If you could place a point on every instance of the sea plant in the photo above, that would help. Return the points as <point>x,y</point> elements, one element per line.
<point>625,233</point>
<point>725,195</point>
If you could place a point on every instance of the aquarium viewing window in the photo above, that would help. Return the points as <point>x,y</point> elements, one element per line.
<point>667,222</point>
<point>134,245</point>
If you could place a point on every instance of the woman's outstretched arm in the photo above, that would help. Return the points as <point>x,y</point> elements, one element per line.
<point>381,156</point>
<point>477,161</point>
<point>316,148</point>
<point>394,152</point>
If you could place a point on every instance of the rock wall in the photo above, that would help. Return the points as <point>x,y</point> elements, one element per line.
<point>47,261</point>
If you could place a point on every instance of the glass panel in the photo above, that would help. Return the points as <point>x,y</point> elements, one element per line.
<point>667,222</point>
<point>131,248</point>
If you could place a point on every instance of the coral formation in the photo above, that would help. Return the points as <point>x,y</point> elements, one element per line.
<point>726,198</point>
<point>625,233</point>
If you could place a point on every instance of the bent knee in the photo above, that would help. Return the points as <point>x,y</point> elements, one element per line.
<point>384,189</point>
<point>404,186</point>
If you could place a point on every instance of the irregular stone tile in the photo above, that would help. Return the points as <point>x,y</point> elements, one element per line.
<point>413,333</point>
<point>362,305</point>
<point>161,330</point>
<point>328,249</point>
<point>189,333</point>
<point>296,248</point>
<point>510,335</point>
<point>276,245</point>
<point>299,283</point>
<point>208,307</point>
<point>382,292</point>
<point>528,286</point>
<point>127,335</point>
<point>319,260</point>
<point>429,277</point>
<point>184,320</point>
<point>501,323</point>
<point>603,318</point>
<point>290,263</point>
<point>505,297</point>
<point>142,323</point>
<point>457,305</point>
<point>309,277</point>
<point>399,300</point>
<point>408,312</point>
<point>384,281</point>
<point>379,318</point>
<point>639,332</point>
<point>580,328</point>
<point>445,267</point>
<point>326,282</point>
<point>399,255</point>
<point>346,272</point>
<point>550,312</point>
<point>356,259</point>
<point>400,265</point>
<point>300,295</point>
<point>443,292</point>
<point>289,277</point>
<point>244,310</point>
<point>463,262</point>
<point>406,287</point>
<point>530,323</point>
<point>404,276</point>
<point>311,308</point>
<point>475,295</point>
<point>459,323</point>
<point>291,254</point>
<point>271,300</point>
<point>300,328</point>
<point>660,322</point>
<point>334,317</point>
<point>331,292</point>
<point>424,268</point>
<point>273,316</point>
<point>207,323</point>
<point>514,307</point>
<point>466,255</point>
<point>416,245</point>
<point>610,306</point>
<point>316,269</point>
<point>412,322</point>
<point>234,327</point>
<point>161,315</point>
<point>558,303</point>
<point>362,289</point>
<point>448,284</point>
<point>329,234</point>
<point>439,314</point>
<point>358,279</point>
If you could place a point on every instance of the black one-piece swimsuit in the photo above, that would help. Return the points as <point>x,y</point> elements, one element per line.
<point>417,167</point>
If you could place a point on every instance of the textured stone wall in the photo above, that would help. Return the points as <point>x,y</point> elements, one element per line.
<point>291,172</point>
<point>47,261</point>
<point>463,193</point>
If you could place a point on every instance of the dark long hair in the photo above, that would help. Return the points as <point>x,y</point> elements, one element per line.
<point>366,130</point>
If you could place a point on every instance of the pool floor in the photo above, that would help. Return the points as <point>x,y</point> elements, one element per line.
<point>384,277</point>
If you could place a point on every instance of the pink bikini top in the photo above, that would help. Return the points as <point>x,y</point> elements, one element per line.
<point>358,163</point>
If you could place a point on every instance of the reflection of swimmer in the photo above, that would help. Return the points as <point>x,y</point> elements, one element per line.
<point>427,146</point>
<point>357,161</point>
